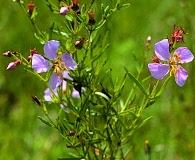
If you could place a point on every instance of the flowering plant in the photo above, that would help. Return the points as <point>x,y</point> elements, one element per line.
<point>94,118</point>
<point>181,55</point>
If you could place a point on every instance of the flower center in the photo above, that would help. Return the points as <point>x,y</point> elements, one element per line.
<point>58,65</point>
<point>174,63</point>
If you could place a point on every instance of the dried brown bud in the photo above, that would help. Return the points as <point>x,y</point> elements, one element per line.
<point>9,53</point>
<point>36,100</point>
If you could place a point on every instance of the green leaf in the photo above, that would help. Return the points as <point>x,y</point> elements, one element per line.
<point>120,84</point>
<point>46,122</point>
<point>119,118</point>
<point>34,13</point>
<point>69,18</point>
<point>100,67</point>
<point>100,24</point>
<point>52,6</point>
<point>144,121</point>
<point>136,82</point>
<point>163,87</point>
<point>43,37</point>
<point>103,95</point>
<point>123,6</point>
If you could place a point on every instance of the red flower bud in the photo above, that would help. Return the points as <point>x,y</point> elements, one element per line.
<point>155,59</point>
<point>71,133</point>
<point>176,35</point>
<point>31,7</point>
<point>75,5</point>
<point>91,18</point>
<point>32,52</point>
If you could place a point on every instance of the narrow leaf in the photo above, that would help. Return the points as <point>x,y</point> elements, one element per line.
<point>136,82</point>
<point>46,122</point>
<point>102,95</point>
<point>163,87</point>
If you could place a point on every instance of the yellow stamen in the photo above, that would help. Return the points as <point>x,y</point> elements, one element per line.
<point>177,57</point>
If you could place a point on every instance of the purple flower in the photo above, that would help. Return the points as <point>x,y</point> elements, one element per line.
<point>59,62</point>
<point>181,55</point>
<point>48,94</point>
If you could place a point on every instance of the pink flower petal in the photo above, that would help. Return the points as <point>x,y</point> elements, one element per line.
<point>181,76</point>
<point>162,50</point>
<point>185,54</point>
<point>40,64</point>
<point>55,80</point>
<point>70,63</point>
<point>51,49</point>
<point>158,70</point>
<point>75,93</point>
<point>48,95</point>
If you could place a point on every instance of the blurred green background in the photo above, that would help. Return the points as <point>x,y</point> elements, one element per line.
<point>171,132</point>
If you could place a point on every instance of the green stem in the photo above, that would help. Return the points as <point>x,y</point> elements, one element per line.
<point>32,21</point>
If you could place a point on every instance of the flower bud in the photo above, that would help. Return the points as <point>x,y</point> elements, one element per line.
<point>64,10</point>
<point>147,147</point>
<point>32,52</point>
<point>91,18</point>
<point>36,100</point>
<point>9,53</point>
<point>155,59</point>
<point>31,7</point>
<point>71,133</point>
<point>75,5</point>
<point>12,65</point>
<point>79,44</point>
<point>148,40</point>
<point>177,35</point>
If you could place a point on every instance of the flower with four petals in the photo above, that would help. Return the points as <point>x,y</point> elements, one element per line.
<point>181,55</point>
<point>59,62</point>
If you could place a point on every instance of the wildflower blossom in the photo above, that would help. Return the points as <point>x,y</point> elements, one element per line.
<point>48,94</point>
<point>181,55</point>
<point>59,62</point>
